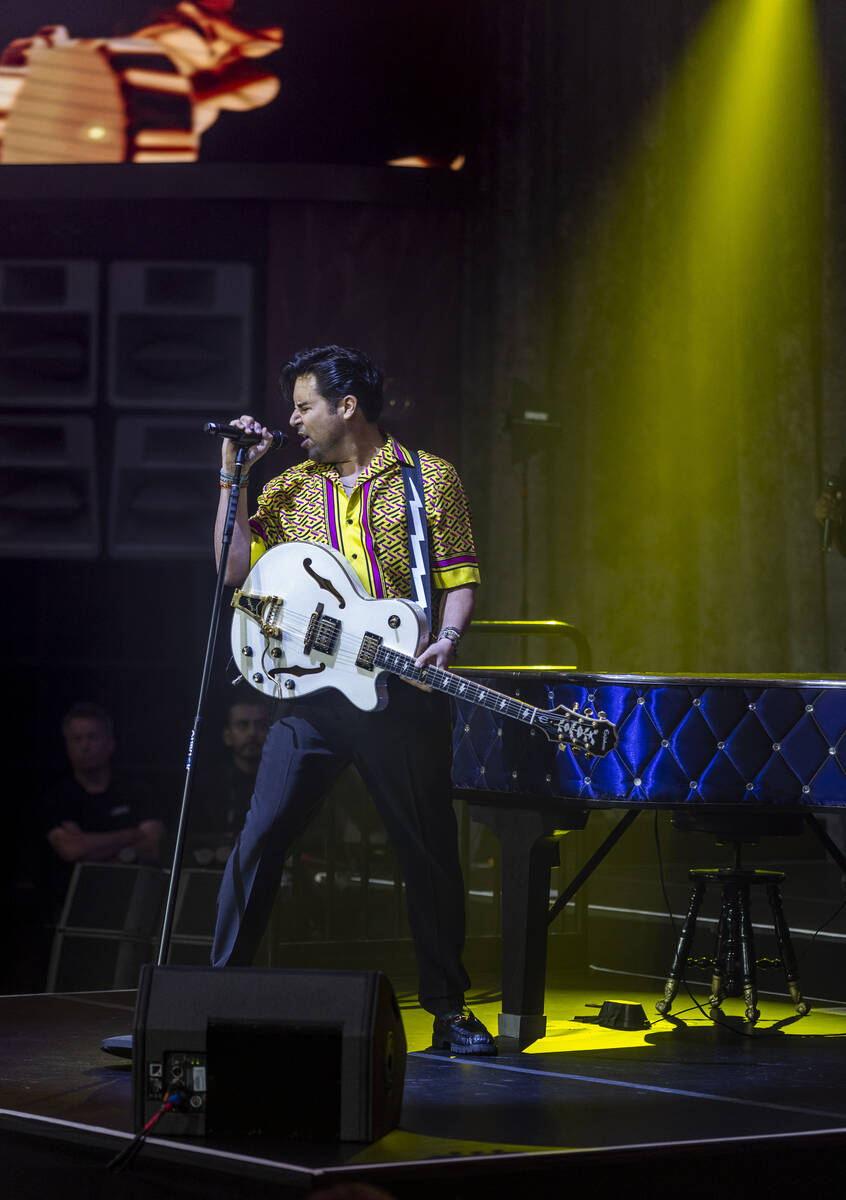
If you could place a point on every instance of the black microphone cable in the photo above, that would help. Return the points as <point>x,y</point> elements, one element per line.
<point>131,1152</point>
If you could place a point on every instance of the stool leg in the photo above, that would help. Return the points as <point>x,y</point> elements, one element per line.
<point>785,949</point>
<point>671,987</point>
<point>725,979</point>
<point>747,955</point>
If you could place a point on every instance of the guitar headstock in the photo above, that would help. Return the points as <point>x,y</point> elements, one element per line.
<point>591,733</point>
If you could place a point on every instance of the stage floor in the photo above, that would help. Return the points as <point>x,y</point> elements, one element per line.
<point>613,1102</point>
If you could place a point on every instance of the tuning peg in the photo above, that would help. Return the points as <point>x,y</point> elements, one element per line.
<point>575,706</point>
<point>602,716</point>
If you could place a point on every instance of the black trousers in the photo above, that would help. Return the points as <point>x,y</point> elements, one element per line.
<point>404,756</point>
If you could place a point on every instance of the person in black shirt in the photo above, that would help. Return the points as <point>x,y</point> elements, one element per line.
<point>224,789</point>
<point>96,814</point>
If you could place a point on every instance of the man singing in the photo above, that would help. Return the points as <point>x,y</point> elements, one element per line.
<point>350,493</point>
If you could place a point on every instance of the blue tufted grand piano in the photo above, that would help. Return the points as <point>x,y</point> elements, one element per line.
<point>709,746</point>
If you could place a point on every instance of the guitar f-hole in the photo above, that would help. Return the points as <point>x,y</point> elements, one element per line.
<point>325,584</point>
<point>298,671</point>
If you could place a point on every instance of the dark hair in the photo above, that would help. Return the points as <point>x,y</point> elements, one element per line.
<point>252,699</point>
<point>339,371</point>
<point>87,711</point>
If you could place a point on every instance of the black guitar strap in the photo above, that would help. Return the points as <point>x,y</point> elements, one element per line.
<point>418,535</point>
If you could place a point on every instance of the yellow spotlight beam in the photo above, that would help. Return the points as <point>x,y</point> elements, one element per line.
<point>700,270</point>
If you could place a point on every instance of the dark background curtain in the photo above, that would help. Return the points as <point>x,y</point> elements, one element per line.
<point>606,516</point>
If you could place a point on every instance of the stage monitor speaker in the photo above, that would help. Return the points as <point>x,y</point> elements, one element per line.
<point>196,902</point>
<point>164,488</point>
<point>195,914</point>
<point>106,929</point>
<point>48,333</point>
<point>48,492</point>
<point>180,335</point>
<point>288,1054</point>
<point>114,898</point>
<point>81,961</point>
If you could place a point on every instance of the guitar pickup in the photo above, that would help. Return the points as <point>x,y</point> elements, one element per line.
<point>370,643</point>
<point>323,633</point>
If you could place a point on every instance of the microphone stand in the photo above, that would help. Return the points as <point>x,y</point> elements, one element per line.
<point>214,626</point>
<point>122,1045</point>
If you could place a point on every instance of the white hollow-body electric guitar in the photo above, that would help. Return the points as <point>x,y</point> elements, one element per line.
<point>303,623</point>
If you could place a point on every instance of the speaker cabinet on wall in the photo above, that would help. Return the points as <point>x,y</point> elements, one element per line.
<point>180,335</point>
<point>164,489</point>
<point>48,493</point>
<point>48,334</point>
<point>317,1055</point>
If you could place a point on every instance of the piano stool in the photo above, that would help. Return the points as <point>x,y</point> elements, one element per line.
<point>734,964</point>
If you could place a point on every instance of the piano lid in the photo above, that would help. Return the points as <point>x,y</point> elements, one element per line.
<point>565,673</point>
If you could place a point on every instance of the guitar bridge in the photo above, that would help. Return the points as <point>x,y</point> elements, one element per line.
<point>264,610</point>
<point>370,643</point>
<point>323,633</point>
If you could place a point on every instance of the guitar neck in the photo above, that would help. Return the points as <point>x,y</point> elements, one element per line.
<point>454,685</point>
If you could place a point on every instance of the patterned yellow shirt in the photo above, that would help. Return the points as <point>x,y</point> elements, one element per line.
<point>308,503</point>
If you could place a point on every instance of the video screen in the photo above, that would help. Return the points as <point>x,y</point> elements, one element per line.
<point>288,81</point>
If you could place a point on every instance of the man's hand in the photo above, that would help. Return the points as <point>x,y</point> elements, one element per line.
<point>238,563</point>
<point>439,654</point>
<point>229,449</point>
<point>456,615</point>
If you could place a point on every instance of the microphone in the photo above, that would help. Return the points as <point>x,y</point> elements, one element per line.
<point>831,489</point>
<point>278,438</point>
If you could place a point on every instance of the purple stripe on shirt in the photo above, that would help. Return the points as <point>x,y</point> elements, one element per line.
<point>331,522</point>
<point>378,586</point>
<point>466,560</point>
<point>258,527</point>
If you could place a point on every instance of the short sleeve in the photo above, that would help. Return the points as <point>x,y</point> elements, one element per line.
<point>453,551</point>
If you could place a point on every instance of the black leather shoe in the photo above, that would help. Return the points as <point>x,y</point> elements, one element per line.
<point>461,1033</point>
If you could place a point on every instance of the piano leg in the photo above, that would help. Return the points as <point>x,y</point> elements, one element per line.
<point>529,847</point>
<point>833,849</point>
<point>529,842</point>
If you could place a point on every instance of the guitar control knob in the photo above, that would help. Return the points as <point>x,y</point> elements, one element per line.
<point>258,677</point>
<point>290,685</point>
<point>275,652</point>
<point>394,622</point>
<point>247,651</point>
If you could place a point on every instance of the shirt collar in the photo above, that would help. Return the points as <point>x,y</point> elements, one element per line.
<point>391,455</point>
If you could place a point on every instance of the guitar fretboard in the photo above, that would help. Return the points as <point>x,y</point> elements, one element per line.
<point>454,685</point>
